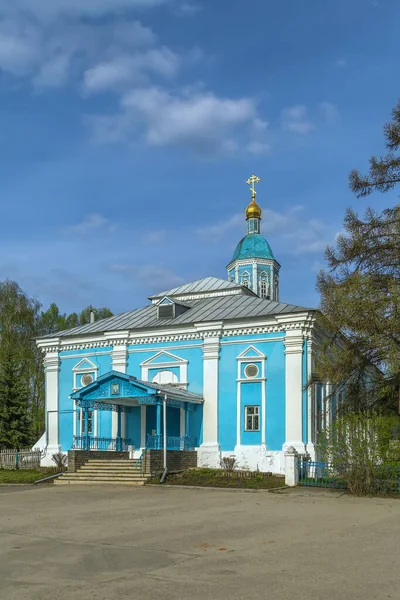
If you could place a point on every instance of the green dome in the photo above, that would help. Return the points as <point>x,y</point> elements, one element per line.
<point>253,245</point>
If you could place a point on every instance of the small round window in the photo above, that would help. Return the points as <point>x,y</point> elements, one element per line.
<point>251,371</point>
<point>86,379</point>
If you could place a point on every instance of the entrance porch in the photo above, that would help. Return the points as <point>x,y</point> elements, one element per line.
<point>119,413</point>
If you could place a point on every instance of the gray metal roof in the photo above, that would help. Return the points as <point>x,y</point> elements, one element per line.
<point>219,308</point>
<point>208,284</point>
<point>172,391</point>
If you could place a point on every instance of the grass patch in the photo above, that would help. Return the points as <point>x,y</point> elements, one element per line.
<point>221,479</point>
<point>25,475</point>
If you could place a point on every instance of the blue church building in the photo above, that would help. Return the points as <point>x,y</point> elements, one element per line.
<point>217,366</point>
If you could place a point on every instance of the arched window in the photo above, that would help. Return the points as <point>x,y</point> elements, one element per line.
<point>263,289</point>
<point>165,377</point>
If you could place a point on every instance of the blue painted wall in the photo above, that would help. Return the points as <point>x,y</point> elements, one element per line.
<point>275,389</point>
<point>66,381</point>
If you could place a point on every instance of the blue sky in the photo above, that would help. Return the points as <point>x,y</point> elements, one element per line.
<point>129,127</point>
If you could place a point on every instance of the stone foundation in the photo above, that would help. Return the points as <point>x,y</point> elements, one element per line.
<point>177,460</point>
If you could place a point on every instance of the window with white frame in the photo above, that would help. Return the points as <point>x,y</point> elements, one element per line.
<point>252,418</point>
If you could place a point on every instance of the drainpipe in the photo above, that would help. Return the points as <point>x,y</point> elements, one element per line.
<point>164,438</point>
<point>165,430</point>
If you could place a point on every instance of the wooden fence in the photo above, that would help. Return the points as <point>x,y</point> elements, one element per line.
<point>20,459</point>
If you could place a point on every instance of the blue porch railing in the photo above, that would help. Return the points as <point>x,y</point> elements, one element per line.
<point>86,442</point>
<point>156,442</point>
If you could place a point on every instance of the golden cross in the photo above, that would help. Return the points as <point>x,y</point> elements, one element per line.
<point>251,182</point>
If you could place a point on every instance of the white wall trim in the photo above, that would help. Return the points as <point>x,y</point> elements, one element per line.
<point>119,362</point>
<point>211,355</point>
<point>52,368</point>
<point>294,342</point>
<point>259,325</point>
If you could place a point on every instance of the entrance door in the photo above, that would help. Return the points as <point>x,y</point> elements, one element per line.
<point>85,428</point>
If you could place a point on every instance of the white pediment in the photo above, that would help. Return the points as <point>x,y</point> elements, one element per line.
<point>251,352</point>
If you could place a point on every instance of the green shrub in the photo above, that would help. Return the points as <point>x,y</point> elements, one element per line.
<point>358,447</point>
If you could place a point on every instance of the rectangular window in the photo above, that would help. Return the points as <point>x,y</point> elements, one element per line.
<point>252,418</point>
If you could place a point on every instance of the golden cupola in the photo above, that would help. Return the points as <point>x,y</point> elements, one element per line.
<point>253,211</point>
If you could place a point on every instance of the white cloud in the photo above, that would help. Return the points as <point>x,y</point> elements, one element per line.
<point>128,69</point>
<point>187,9</point>
<point>93,222</point>
<point>46,49</point>
<point>154,237</point>
<point>257,148</point>
<point>329,112</point>
<point>90,8</point>
<point>154,277</point>
<point>295,119</point>
<point>214,233</point>
<point>201,121</point>
<point>289,231</point>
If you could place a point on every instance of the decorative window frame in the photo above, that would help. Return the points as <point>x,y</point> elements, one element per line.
<point>78,371</point>
<point>251,355</point>
<point>175,361</point>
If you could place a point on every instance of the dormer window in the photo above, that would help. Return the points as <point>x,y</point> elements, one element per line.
<point>168,309</point>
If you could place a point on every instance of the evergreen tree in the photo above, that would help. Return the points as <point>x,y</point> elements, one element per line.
<point>15,430</point>
<point>360,292</point>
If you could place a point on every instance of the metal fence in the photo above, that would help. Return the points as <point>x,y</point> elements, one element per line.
<point>86,442</point>
<point>321,474</point>
<point>156,442</point>
<point>20,459</point>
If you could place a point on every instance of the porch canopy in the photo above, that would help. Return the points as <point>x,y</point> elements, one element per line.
<point>119,392</point>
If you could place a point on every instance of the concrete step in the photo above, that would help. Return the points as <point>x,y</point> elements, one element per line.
<point>105,476</point>
<point>70,481</point>
<point>109,468</point>
<point>111,462</point>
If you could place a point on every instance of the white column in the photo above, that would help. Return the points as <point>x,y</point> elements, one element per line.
<point>119,362</point>
<point>255,286</point>
<point>52,368</point>
<point>209,452</point>
<point>237,273</point>
<point>310,402</point>
<point>294,390</point>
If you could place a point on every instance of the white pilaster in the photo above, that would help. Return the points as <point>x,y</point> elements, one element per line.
<point>310,402</point>
<point>52,368</point>
<point>119,362</point>
<point>209,452</point>
<point>294,390</point>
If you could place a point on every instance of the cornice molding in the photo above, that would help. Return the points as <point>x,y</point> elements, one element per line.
<point>303,322</point>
